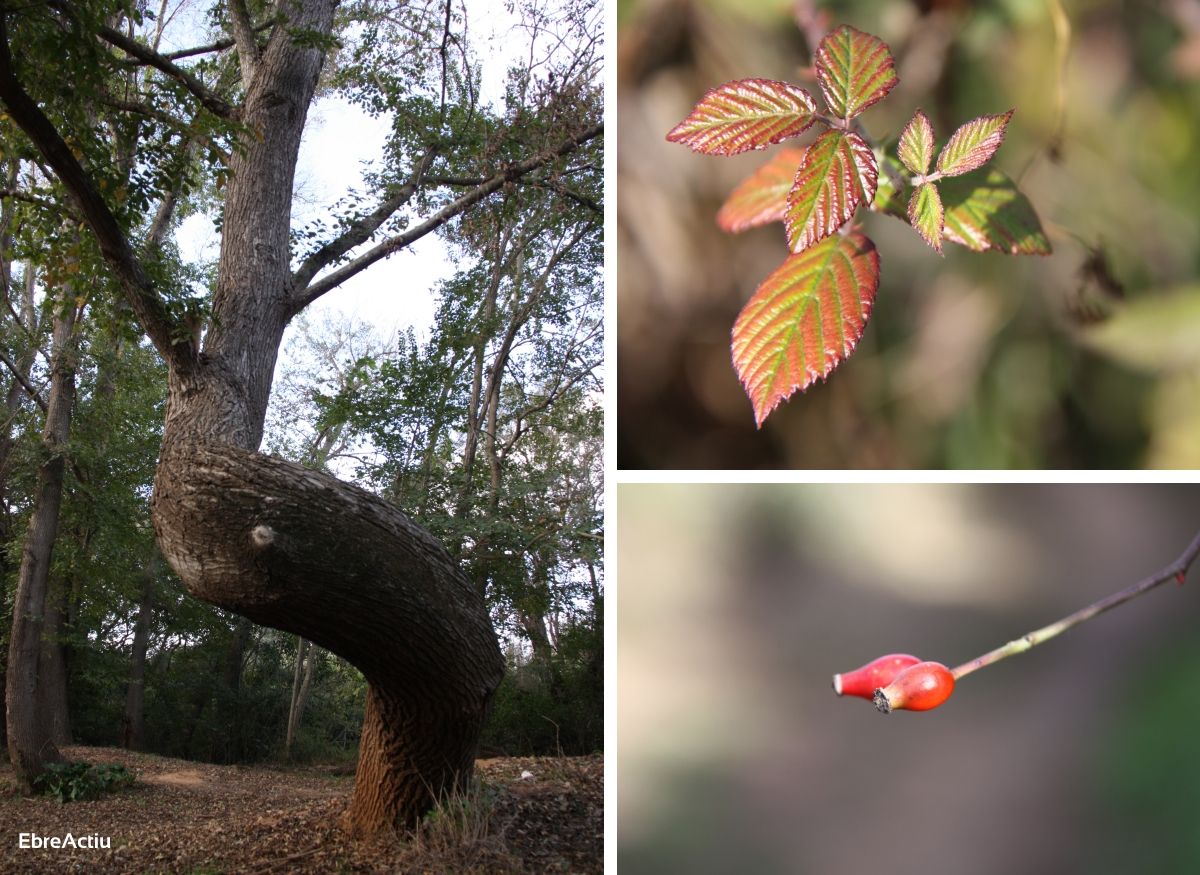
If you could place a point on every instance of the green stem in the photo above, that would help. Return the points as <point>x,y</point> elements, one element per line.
<point>1177,571</point>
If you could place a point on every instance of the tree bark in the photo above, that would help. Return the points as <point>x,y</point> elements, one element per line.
<point>281,544</point>
<point>133,722</point>
<point>52,684</point>
<point>30,746</point>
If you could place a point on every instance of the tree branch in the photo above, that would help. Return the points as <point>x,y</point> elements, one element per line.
<point>512,173</point>
<point>243,35</point>
<point>18,195</point>
<point>146,55</point>
<point>218,46</point>
<point>143,297</point>
<point>25,384</point>
<point>1176,571</point>
<point>359,232</point>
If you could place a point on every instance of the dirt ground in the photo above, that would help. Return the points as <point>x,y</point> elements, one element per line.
<point>203,819</point>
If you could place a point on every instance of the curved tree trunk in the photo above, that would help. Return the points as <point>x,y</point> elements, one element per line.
<point>30,746</point>
<point>299,550</point>
<point>280,544</point>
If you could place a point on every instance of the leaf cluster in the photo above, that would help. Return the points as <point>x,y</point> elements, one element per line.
<point>810,313</point>
<point>75,782</point>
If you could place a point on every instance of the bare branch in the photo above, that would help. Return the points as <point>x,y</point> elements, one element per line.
<point>151,310</point>
<point>218,46</point>
<point>359,232</point>
<point>512,173</point>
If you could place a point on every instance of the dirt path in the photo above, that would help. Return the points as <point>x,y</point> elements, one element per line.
<point>204,819</point>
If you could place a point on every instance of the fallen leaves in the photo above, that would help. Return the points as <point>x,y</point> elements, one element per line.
<point>194,817</point>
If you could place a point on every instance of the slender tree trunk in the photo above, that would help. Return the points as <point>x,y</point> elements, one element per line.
<point>30,746</point>
<point>12,403</point>
<point>301,684</point>
<point>133,722</point>
<point>52,685</point>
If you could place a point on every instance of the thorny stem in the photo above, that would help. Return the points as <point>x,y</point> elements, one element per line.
<point>1176,571</point>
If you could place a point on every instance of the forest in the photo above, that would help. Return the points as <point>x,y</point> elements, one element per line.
<point>270,558</point>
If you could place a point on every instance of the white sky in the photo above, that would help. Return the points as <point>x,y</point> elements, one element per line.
<point>397,292</point>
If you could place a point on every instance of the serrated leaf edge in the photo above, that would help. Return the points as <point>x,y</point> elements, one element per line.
<point>817,224</point>
<point>827,75</point>
<point>864,247</point>
<point>917,126</point>
<point>934,239</point>
<point>981,152</point>
<point>697,130</point>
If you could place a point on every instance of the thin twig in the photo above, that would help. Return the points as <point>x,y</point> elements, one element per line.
<point>1176,571</point>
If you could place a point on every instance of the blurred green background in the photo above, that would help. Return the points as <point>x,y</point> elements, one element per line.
<point>1089,358</point>
<point>738,603</point>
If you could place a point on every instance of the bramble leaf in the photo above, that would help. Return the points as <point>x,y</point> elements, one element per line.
<point>804,319</point>
<point>837,174</point>
<point>992,214</point>
<point>925,213</point>
<point>762,197</point>
<point>916,144</point>
<point>745,114</point>
<point>973,144</point>
<point>855,70</point>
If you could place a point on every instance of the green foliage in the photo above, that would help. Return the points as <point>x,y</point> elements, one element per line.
<point>552,704</point>
<point>780,343</point>
<point>75,782</point>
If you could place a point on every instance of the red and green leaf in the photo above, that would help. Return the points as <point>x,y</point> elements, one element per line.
<point>925,213</point>
<point>854,69</point>
<point>744,115</point>
<point>837,174</point>
<point>973,145</point>
<point>916,144</point>
<point>762,197</point>
<point>804,319</point>
<point>991,214</point>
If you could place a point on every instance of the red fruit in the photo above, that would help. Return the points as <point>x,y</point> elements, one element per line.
<point>865,681</point>
<point>919,687</point>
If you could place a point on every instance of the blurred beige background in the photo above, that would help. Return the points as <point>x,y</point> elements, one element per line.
<point>739,602</point>
<point>1089,358</point>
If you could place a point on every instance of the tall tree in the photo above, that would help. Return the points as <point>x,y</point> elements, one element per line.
<point>277,543</point>
<point>31,741</point>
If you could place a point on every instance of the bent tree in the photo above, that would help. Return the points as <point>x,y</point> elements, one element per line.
<point>279,544</point>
